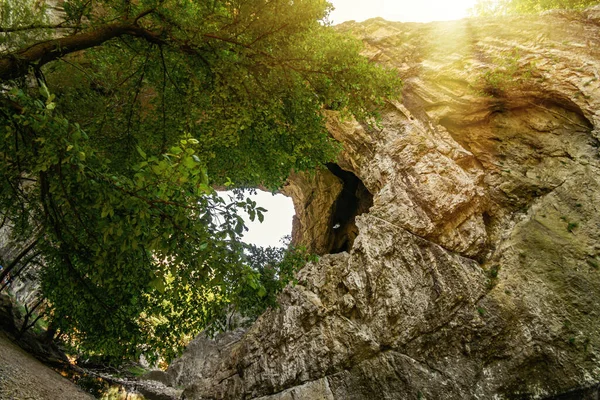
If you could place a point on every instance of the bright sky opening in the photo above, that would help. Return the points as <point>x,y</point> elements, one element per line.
<point>277,223</point>
<point>400,10</point>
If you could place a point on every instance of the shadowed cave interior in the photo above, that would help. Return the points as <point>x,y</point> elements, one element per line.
<point>353,200</point>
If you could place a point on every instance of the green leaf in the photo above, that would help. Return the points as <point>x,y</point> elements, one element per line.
<point>140,152</point>
<point>262,292</point>
<point>189,162</point>
<point>158,284</point>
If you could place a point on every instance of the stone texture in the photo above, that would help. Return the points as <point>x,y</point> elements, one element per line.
<point>199,360</point>
<point>476,272</point>
<point>401,284</point>
<point>315,390</point>
<point>313,197</point>
<point>7,317</point>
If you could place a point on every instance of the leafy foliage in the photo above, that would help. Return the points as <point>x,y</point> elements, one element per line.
<point>504,7</point>
<point>114,133</point>
<point>275,267</point>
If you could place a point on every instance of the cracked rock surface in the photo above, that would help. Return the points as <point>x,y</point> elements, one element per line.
<point>476,272</point>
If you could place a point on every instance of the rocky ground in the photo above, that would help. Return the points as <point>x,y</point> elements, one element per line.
<point>22,377</point>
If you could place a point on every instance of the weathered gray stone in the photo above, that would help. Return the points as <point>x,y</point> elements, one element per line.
<point>315,390</point>
<point>7,317</point>
<point>476,272</point>
<point>314,197</point>
<point>200,359</point>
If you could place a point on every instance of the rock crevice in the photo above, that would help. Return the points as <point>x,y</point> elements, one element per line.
<point>353,200</point>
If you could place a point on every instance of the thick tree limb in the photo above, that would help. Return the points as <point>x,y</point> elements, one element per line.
<point>17,64</point>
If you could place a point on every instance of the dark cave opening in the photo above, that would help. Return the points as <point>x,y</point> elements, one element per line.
<point>353,200</point>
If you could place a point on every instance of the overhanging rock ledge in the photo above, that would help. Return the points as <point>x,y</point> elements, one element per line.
<point>475,273</point>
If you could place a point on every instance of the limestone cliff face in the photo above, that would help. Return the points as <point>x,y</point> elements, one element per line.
<point>467,242</point>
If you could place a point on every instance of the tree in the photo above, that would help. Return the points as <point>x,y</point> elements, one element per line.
<point>119,117</point>
<point>505,7</point>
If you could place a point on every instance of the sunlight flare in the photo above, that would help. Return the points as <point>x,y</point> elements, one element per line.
<point>400,10</point>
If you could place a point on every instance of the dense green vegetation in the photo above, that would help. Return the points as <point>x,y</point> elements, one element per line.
<point>119,118</point>
<point>505,7</point>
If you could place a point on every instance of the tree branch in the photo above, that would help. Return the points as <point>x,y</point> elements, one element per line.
<point>19,256</point>
<point>12,277</point>
<point>17,64</point>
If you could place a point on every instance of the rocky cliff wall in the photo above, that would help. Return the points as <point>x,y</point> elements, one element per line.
<point>472,268</point>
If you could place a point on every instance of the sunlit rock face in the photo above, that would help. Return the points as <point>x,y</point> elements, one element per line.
<point>475,272</point>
